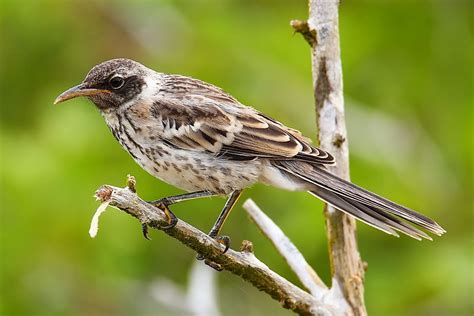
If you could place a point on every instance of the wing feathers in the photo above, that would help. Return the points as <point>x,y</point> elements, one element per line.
<point>195,122</point>
<point>252,121</point>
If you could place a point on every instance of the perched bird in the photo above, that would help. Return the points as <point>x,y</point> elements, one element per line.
<point>195,136</point>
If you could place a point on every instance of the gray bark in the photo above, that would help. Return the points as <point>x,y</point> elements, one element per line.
<point>322,33</point>
<point>242,263</point>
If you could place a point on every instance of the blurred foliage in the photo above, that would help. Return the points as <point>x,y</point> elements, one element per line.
<point>408,86</point>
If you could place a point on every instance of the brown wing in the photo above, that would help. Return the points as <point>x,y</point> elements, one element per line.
<point>262,136</point>
<point>204,118</point>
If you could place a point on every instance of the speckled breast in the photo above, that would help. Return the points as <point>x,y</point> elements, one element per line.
<point>185,169</point>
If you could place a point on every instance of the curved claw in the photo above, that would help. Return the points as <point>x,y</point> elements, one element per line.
<point>163,204</point>
<point>172,223</point>
<point>172,219</point>
<point>224,240</point>
<point>145,231</point>
<point>214,265</point>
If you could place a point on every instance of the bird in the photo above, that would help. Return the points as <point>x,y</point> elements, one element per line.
<point>198,138</point>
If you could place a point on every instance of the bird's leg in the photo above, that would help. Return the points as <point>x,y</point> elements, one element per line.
<point>181,198</point>
<point>214,233</point>
<point>163,204</point>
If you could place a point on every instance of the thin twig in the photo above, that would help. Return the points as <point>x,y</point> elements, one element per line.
<point>302,27</point>
<point>288,250</point>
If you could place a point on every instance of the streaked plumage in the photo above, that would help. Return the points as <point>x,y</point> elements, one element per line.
<point>196,137</point>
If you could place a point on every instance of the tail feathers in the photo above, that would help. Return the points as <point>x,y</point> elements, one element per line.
<point>395,222</point>
<point>362,204</point>
<point>347,207</point>
<point>370,215</point>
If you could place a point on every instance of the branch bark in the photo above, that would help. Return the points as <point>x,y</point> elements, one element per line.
<point>242,263</point>
<point>323,29</point>
<point>305,273</point>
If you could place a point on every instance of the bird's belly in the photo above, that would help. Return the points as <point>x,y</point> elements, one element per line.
<point>196,171</point>
<point>185,169</point>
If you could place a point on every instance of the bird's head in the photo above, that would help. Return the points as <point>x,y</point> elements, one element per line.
<point>110,84</point>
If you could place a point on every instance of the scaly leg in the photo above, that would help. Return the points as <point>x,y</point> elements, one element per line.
<point>225,240</point>
<point>182,197</point>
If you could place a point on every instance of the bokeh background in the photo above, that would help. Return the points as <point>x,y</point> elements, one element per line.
<point>408,90</point>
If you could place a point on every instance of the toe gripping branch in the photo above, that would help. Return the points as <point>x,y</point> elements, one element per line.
<point>223,240</point>
<point>164,203</point>
<point>171,218</point>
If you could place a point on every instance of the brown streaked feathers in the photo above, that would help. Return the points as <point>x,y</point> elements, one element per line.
<point>202,121</point>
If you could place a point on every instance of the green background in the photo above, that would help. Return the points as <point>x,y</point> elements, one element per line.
<point>408,92</point>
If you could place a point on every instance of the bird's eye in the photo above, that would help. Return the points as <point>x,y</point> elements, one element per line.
<point>116,82</point>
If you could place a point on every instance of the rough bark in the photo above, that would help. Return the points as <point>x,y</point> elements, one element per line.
<point>305,273</point>
<point>322,33</point>
<point>242,263</point>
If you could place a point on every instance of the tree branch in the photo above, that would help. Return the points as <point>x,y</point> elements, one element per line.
<point>347,267</point>
<point>287,250</point>
<point>243,263</point>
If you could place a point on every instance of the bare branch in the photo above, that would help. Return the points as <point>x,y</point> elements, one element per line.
<point>243,263</point>
<point>346,264</point>
<point>288,250</point>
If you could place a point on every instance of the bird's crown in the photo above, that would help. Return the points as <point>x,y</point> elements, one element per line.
<point>121,66</point>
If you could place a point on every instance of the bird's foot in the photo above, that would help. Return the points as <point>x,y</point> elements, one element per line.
<point>224,240</point>
<point>172,220</point>
<point>214,265</point>
<point>145,231</point>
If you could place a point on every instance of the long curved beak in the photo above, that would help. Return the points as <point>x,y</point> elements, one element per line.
<point>78,91</point>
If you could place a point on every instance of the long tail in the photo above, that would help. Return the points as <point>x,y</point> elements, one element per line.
<point>366,206</point>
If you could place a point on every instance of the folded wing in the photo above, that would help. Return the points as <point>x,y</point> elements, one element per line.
<point>216,123</point>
